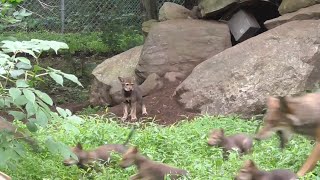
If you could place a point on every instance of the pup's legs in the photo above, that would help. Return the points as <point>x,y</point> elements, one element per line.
<point>125,112</point>
<point>284,137</point>
<point>133,112</point>
<point>311,162</point>
<point>313,158</point>
<point>144,109</point>
<point>136,176</point>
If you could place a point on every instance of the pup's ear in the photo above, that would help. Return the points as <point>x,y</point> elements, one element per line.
<point>135,150</point>
<point>222,131</point>
<point>249,164</point>
<point>79,146</point>
<point>121,79</point>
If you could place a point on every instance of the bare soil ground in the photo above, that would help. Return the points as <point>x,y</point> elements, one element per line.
<point>161,106</point>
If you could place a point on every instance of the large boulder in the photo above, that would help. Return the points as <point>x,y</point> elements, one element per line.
<point>146,26</point>
<point>180,45</point>
<point>214,8</point>
<point>312,12</point>
<point>283,60</point>
<point>151,84</point>
<point>288,6</point>
<point>171,10</point>
<point>106,88</point>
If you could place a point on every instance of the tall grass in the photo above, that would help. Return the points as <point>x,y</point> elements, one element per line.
<point>183,145</point>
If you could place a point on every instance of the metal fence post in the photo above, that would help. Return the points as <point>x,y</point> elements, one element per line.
<point>62,15</point>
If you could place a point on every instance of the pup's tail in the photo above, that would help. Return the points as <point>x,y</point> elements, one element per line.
<point>129,136</point>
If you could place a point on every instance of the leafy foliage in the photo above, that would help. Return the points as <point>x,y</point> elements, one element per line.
<point>20,72</point>
<point>122,40</point>
<point>85,43</point>
<point>9,16</point>
<point>183,145</point>
<point>119,37</point>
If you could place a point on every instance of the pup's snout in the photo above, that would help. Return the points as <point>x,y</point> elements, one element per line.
<point>122,166</point>
<point>257,138</point>
<point>66,164</point>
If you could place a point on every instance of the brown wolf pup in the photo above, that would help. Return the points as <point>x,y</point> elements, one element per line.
<point>101,153</point>
<point>132,95</point>
<point>250,171</point>
<point>147,168</point>
<point>294,115</point>
<point>240,142</point>
<point>3,176</point>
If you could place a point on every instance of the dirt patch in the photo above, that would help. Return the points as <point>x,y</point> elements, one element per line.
<point>161,106</point>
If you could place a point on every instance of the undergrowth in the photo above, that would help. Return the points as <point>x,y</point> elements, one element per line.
<point>86,43</point>
<point>183,145</point>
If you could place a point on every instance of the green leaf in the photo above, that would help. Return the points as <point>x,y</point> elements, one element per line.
<point>75,119</point>
<point>44,97</point>
<point>24,60</point>
<point>21,65</point>
<point>29,95</point>
<point>5,102</point>
<point>19,149</point>
<point>58,45</point>
<point>62,112</point>
<point>15,93</point>
<point>41,118</point>
<point>21,100</point>
<point>52,145</point>
<point>31,126</point>
<point>72,78</point>
<point>3,156</point>
<point>17,115</point>
<point>29,52</point>
<point>21,83</point>
<point>58,147</point>
<point>69,113</point>
<point>37,68</point>
<point>66,153</point>
<point>16,73</point>
<point>71,128</point>
<point>31,109</point>
<point>56,77</point>
<point>44,106</point>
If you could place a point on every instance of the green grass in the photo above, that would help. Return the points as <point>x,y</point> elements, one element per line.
<point>87,43</point>
<point>182,145</point>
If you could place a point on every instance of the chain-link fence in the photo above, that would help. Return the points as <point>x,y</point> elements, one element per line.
<point>84,15</point>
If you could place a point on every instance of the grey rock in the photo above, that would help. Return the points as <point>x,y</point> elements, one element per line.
<point>179,45</point>
<point>106,88</point>
<point>311,12</point>
<point>211,8</point>
<point>288,6</point>
<point>151,84</point>
<point>284,60</point>
<point>171,10</point>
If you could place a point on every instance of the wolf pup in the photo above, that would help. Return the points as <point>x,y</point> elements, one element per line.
<point>299,115</point>
<point>101,153</point>
<point>149,169</point>
<point>3,176</point>
<point>249,171</point>
<point>240,142</point>
<point>132,95</point>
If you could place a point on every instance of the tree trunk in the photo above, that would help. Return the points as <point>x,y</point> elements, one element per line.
<point>149,8</point>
